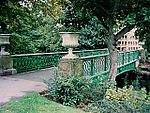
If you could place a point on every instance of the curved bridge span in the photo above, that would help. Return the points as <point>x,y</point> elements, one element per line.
<point>97,67</point>
<point>96,63</point>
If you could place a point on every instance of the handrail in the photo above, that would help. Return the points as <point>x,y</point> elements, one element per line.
<point>96,63</point>
<point>51,53</point>
<point>38,54</point>
<point>97,66</point>
<point>94,56</point>
<point>36,61</point>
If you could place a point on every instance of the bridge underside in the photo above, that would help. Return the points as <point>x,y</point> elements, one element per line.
<point>128,67</point>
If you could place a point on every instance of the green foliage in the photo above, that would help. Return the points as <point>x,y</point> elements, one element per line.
<point>143,25</point>
<point>35,103</point>
<point>72,18</point>
<point>121,100</point>
<point>106,106</point>
<point>46,36</point>
<point>72,90</point>
<point>9,9</point>
<point>32,36</point>
<point>67,89</point>
<point>97,91</point>
<point>135,98</point>
<point>68,29</point>
<point>118,13</point>
<point>21,44</point>
<point>32,25</point>
<point>92,35</point>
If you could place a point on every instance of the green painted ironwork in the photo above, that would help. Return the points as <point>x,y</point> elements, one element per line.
<point>97,66</point>
<point>30,62</point>
<point>91,52</point>
<point>96,63</point>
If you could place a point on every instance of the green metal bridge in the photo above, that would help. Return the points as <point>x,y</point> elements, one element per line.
<point>96,63</point>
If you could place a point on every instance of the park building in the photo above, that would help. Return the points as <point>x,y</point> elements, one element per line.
<point>129,42</point>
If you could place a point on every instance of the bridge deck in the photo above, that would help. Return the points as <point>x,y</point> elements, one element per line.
<point>38,76</point>
<point>14,86</point>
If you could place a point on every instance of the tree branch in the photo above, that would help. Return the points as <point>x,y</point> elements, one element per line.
<point>123,31</point>
<point>117,2</point>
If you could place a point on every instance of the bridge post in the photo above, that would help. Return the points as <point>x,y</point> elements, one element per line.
<point>6,63</point>
<point>70,64</point>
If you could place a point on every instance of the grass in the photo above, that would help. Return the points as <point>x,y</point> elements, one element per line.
<point>34,103</point>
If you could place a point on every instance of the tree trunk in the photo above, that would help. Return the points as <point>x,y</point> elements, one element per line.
<point>113,63</point>
<point>113,56</point>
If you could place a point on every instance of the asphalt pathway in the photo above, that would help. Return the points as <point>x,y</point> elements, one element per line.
<point>14,86</point>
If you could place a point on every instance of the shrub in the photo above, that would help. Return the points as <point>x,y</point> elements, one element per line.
<point>106,106</point>
<point>135,97</point>
<point>125,100</point>
<point>97,91</point>
<point>67,89</point>
<point>73,90</point>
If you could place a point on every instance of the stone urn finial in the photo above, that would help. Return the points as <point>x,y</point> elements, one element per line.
<point>70,64</point>
<point>70,41</point>
<point>4,40</point>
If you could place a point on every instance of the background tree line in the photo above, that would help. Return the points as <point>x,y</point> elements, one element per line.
<point>33,26</point>
<point>33,23</point>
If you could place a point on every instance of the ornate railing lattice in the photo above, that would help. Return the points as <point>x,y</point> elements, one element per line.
<point>30,62</point>
<point>96,63</point>
<point>97,66</point>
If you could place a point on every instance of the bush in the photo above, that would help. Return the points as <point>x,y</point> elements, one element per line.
<point>73,90</point>
<point>106,106</point>
<point>97,91</point>
<point>125,100</point>
<point>67,89</point>
<point>135,97</point>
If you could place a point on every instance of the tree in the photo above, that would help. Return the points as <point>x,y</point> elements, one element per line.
<point>143,29</point>
<point>38,36</point>
<point>32,24</point>
<point>90,37</point>
<point>111,13</point>
<point>9,9</point>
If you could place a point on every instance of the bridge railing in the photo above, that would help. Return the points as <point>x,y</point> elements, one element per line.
<point>127,61</point>
<point>97,66</point>
<point>30,62</point>
<point>127,57</point>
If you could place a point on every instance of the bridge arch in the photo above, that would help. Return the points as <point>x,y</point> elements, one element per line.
<point>126,78</point>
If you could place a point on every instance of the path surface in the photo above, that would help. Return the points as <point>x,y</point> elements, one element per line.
<point>14,86</point>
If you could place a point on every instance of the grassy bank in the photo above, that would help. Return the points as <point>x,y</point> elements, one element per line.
<point>34,103</point>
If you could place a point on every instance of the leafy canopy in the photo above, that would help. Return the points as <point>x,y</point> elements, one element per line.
<point>110,13</point>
